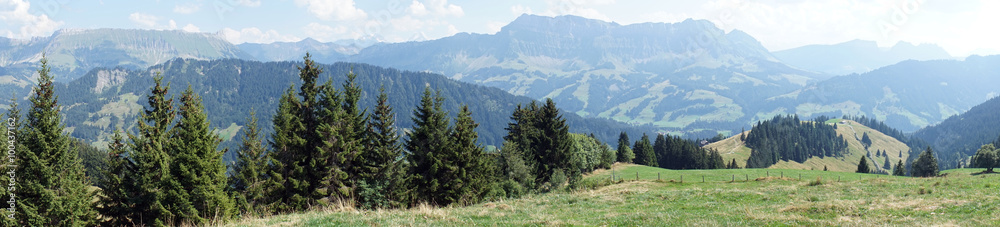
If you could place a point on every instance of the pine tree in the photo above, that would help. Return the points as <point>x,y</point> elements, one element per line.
<point>824,168</point>
<point>382,156</point>
<point>11,129</point>
<point>865,140</point>
<point>119,189</point>
<point>149,151</point>
<point>357,121</point>
<point>425,143</point>
<point>644,152</point>
<point>899,170</point>
<point>660,148</point>
<point>198,165</point>
<point>886,164</point>
<point>468,175</point>
<point>625,154</point>
<point>552,145</point>
<point>286,188</point>
<point>925,165</point>
<point>863,166</point>
<point>337,151</point>
<point>249,171</point>
<point>56,193</point>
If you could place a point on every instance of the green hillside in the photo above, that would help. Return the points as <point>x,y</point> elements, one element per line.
<point>732,148</point>
<point>858,199</point>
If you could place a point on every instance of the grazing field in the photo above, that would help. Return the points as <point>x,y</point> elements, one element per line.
<point>958,198</point>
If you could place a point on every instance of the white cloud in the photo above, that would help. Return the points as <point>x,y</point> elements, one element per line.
<point>493,27</point>
<point>255,35</point>
<point>418,9</point>
<point>452,30</point>
<point>323,32</point>
<point>143,20</point>
<point>188,8</point>
<point>443,8</point>
<point>191,28</point>
<point>520,9</point>
<point>341,10</point>
<point>15,13</point>
<point>583,8</point>
<point>408,23</point>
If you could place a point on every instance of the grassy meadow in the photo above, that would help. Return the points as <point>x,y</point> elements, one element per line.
<point>960,198</point>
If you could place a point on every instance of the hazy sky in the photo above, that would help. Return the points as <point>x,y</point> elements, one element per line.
<point>960,27</point>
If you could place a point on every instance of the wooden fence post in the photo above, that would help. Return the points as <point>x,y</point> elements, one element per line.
<point>657,175</point>
<point>682,178</point>
<point>747,176</point>
<point>734,178</point>
<point>702,178</point>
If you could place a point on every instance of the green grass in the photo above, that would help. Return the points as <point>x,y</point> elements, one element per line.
<point>858,199</point>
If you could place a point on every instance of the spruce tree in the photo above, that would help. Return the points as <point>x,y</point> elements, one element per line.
<point>426,143</point>
<point>865,140</point>
<point>886,164</point>
<point>863,166</point>
<point>119,189</point>
<point>198,176</point>
<point>925,165</point>
<point>381,157</point>
<point>552,145</point>
<point>357,120</point>
<point>11,128</point>
<point>149,151</point>
<point>337,149</point>
<point>286,186</point>
<point>249,171</point>
<point>467,174</point>
<point>644,152</point>
<point>625,154</point>
<point>55,191</point>
<point>900,170</point>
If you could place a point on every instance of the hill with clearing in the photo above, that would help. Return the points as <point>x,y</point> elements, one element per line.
<point>757,197</point>
<point>734,148</point>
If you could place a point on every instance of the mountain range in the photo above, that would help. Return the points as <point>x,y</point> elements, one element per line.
<point>856,56</point>
<point>688,78</point>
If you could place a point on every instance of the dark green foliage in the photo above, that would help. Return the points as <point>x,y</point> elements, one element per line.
<point>608,156</point>
<point>926,165</point>
<point>197,182</point>
<point>733,165</point>
<point>625,154</point>
<point>824,168</point>
<point>382,158</point>
<point>673,152</point>
<point>543,134</point>
<point>863,166</point>
<point>10,127</point>
<point>960,136</point>
<point>54,190</point>
<point>93,159</point>
<point>886,165</point>
<point>149,151</point>
<point>644,152</point>
<point>899,170</point>
<point>249,170</point>
<point>426,143</point>
<point>786,138</point>
<point>517,173</point>
<point>865,140</point>
<point>590,153</point>
<point>469,177</point>
<point>118,188</point>
<point>986,157</point>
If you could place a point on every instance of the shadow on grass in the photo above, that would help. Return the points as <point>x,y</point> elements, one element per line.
<point>984,172</point>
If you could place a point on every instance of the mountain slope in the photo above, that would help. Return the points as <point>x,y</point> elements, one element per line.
<point>907,96</point>
<point>685,76</point>
<point>105,99</point>
<point>74,52</point>
<point>857,56</point>
<point>733,148</point>
<point>292,51</point>
<point>958,137</point>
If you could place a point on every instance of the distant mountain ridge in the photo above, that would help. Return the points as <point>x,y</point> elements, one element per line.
<point>72,52</point>
<point>959,136</point>
<point>292,51</point>
<point>856,56</point>
<point>684,76</point>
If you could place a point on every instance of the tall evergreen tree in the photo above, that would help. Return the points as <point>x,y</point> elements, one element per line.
<point>286,188</point>
<point>357,121</point>
<point>625,154</point>
<point>382,157</point>
<point>337,151</point>
<point>926,164</point>
<point>426,142</point>
<point>900,170</point>
<point>249,171</point>
<point>467,174</point>
<point>644,152</point>
<point>116,198</point>
<point>867,141</point>
<point>552,145</point>
<point>56,193</point>
<point>11,127</point>
<point>149,151</point>
<point>863,166</point>
<point>886,164</point>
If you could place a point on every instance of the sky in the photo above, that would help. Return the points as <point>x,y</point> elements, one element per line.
<point>960,27</point>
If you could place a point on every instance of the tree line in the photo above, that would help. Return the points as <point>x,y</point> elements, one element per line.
<point>669,152</point>
<point>789,139</point>
<point>324,151</point>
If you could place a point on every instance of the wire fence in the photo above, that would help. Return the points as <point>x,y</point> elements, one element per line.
<point>728,178</point>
